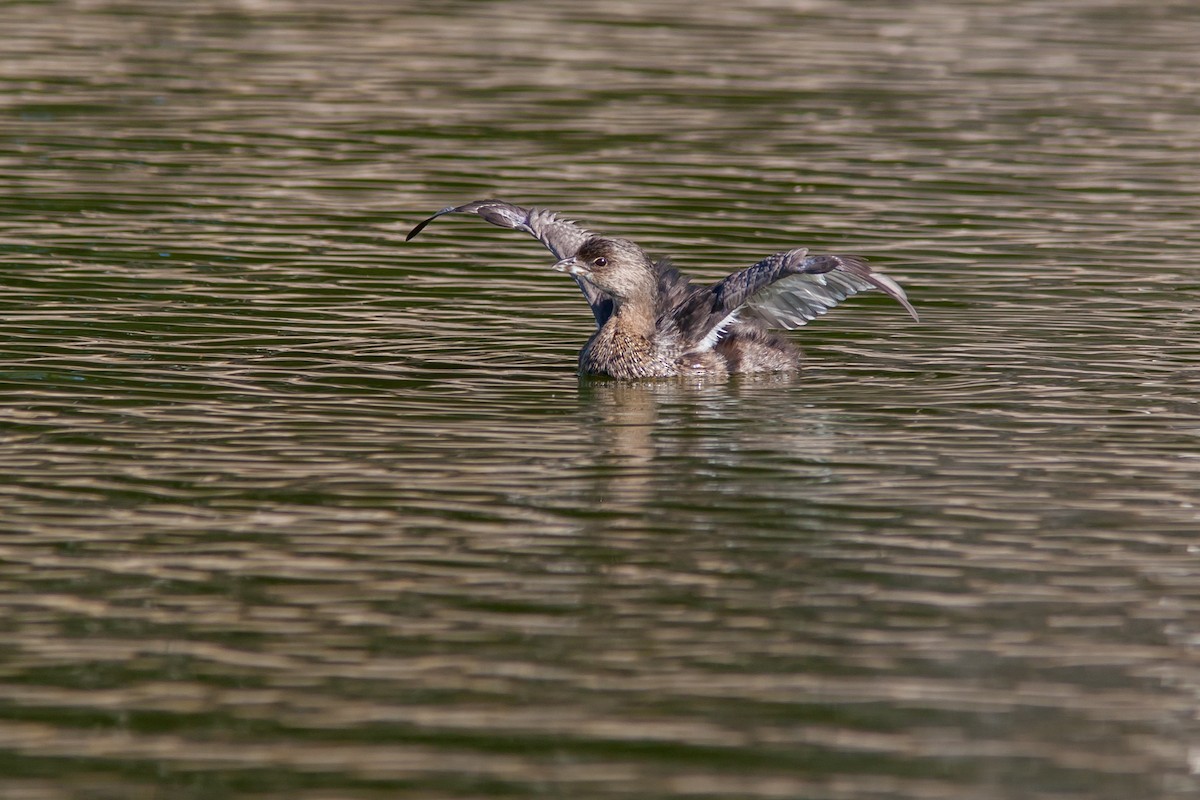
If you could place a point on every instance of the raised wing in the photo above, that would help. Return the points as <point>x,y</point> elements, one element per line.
<point>562,237</point>
<point>785,290</point>
<point>790,289</point>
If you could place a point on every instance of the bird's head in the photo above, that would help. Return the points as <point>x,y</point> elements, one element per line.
<point>616,266</point>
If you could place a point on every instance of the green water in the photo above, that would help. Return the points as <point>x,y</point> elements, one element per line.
<point>292,508</point>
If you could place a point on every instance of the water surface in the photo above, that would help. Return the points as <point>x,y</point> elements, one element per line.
<point>294,509</point>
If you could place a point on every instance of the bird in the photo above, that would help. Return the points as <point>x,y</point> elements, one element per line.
<point>652,321</point>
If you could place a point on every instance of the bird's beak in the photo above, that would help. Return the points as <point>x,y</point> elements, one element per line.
<point>568,265</point>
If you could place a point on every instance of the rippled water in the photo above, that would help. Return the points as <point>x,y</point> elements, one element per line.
<point>294,509</point>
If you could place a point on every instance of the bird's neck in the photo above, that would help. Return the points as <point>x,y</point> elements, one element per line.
<point>636,316</point>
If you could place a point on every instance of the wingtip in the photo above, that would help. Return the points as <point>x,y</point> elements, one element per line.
<point>900,296</point>
<point>497,212</point>
<point>896,292</point>
<point>421,225</point>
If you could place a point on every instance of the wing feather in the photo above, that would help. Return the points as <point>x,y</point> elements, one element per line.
<point>784,290</point>
<point>562,237</point>
<point>797,299</point>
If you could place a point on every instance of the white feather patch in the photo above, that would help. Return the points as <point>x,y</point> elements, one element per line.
<point>713,336</point>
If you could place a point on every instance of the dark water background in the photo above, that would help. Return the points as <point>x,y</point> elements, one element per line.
<point>294,509</point>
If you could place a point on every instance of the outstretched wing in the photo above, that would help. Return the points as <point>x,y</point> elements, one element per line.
<point>562,237</point>
<point>786,290</point>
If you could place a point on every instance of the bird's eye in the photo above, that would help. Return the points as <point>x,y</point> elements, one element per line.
<point>600,262</point>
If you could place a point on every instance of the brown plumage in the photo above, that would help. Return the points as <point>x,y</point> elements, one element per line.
<point>653,322</point>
